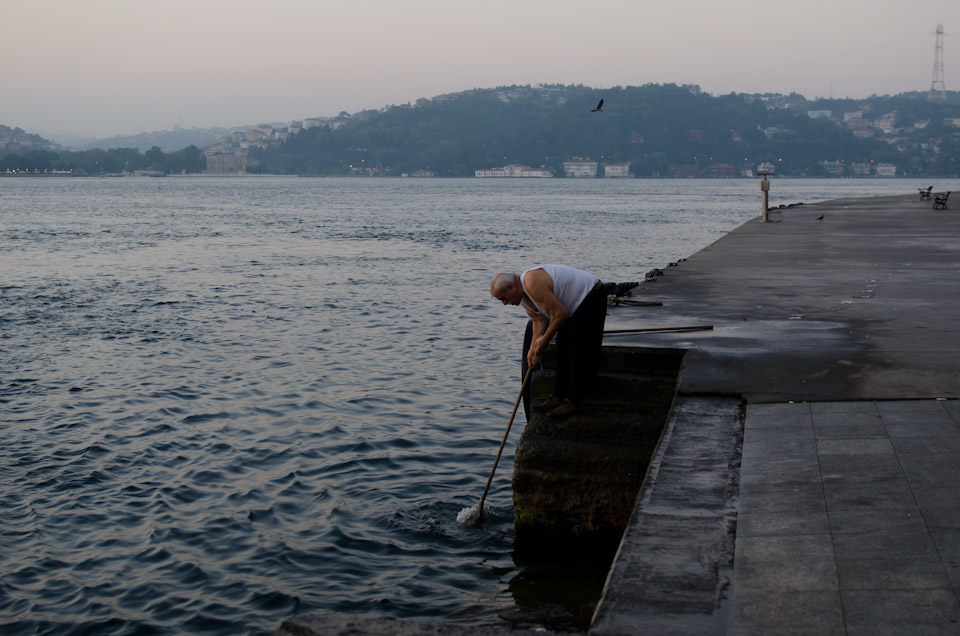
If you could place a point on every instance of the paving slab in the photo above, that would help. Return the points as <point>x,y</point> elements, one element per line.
<point>898,612</point>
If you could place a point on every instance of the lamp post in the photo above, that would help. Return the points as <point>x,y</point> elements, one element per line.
<point>764,190</point>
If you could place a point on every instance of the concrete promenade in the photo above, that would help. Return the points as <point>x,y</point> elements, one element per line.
<point>835,358</point>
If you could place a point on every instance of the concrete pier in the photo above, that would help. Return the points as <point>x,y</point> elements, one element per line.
<point>807,480</point>
<point>840,338</point>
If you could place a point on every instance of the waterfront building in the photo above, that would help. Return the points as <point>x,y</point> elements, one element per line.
<point>721,171</point>
<point>684,171</point>
<point>619,170</point>
<point>516,170</point>
<point>833,168</point>
<point>235,163</point>
<point>580,167</point>
<point>490,172</point>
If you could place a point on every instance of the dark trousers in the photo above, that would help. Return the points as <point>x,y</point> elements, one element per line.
<point>578,350</point>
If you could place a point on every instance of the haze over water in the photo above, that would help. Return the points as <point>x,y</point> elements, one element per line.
<point>229,401</point>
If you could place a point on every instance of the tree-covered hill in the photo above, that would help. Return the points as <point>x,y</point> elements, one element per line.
<point>16,139</point>
<point>660,129</point>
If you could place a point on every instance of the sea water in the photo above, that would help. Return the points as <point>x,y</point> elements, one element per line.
<point>229,401</point>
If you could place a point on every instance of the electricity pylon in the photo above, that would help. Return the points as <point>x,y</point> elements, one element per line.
<point>938,91</point>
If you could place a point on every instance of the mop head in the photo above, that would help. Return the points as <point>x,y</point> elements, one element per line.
<point>470,517</point>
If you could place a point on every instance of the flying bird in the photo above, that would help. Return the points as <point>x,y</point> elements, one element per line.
<point>599,107</point>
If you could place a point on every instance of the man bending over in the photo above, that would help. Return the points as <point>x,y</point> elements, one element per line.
<point>567,303</point>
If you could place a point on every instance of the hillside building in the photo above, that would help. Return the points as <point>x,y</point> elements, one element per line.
<point>886,123</point>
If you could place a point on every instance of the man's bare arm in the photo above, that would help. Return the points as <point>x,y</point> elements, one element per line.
<point>539,286</point>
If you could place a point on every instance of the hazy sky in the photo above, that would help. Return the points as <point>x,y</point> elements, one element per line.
<point>106,67</point>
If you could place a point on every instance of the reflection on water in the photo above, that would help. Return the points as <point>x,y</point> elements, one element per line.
<point>229,401</point>
<point>560,594</point>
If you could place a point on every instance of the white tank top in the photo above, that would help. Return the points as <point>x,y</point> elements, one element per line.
<point>570,286</point>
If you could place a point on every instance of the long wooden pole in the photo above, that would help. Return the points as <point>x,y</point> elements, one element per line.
<point>659,329</point>
<point>526,380</point>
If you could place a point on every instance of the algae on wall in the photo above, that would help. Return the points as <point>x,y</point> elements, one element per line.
<point>576,480</point>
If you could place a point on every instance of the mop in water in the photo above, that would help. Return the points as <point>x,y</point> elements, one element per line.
<point>472,516</point>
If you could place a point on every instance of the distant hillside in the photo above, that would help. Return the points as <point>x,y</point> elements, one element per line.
<point>17,140</point>
<point>166,140</point>
<point>662,130</point>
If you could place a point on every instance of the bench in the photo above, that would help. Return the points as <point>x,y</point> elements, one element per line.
<point>925,193</point>
<point>940,200</point>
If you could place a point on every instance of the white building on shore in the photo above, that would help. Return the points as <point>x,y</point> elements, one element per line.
<point>580,167</point>
<point>517,170</point>
<point>619,170</point>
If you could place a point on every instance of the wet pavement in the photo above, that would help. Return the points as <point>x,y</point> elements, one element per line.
<point>839,340</point>
<point>862,305</point>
